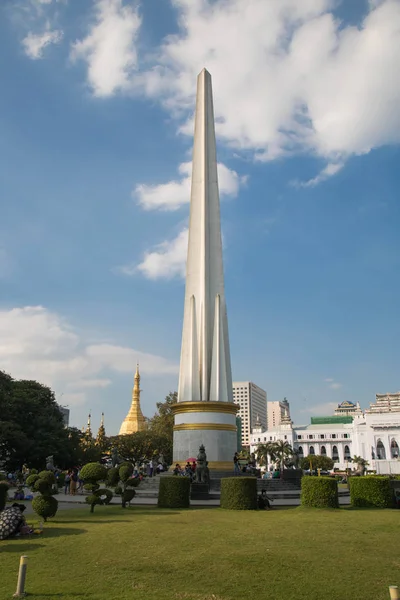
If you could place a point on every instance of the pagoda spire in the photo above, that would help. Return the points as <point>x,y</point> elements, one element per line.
<point>134,420</point>
<point>101,434</point>
<point>88,431</point>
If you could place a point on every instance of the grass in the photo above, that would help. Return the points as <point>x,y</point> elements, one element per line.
<point>144,553</point>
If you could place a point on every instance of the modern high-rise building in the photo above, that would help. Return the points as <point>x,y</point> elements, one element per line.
<point>276,411</point>
<point>252,401</point>
<point>65,413</point>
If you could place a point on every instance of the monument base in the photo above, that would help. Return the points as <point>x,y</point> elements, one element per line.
<point>199,491</point>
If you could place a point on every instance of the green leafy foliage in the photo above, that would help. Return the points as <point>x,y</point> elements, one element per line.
<point>319,492</point>
<point>105,495</point>
<point>145,444</point>
<point>93,499</point>
<point>125,472</point>
<point>127,496</point>
<point>93,472</point>
<point>132,482</point>
<point>316,461</point>
<point>118,490</point>
<point>112,476</point>
<point>239,493</point>
<point>43,486</point>
<point>371,491</point>
<point>174,492</point>
<point>91,487</point>
<point>45,506</point>
<point>4,487</point>
<point>47,476</point>
<point>31,480</point>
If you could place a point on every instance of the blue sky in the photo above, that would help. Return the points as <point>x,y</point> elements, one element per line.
<point>96,130</point>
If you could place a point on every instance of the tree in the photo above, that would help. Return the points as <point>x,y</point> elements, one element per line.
<point>31,424</point>
<point>282,450</point>
<point>266,453</point>
<point>317,462</point>
<point>143,445</point>
<point>162,423</point>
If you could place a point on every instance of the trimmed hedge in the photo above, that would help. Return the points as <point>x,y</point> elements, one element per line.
<point>319,492</point>
<point>371,491</point>
<point>174,492</point>
<point>239,493</point>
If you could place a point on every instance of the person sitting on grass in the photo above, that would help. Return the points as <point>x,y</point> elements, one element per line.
<point>12,521</point>
<point>263,501</point>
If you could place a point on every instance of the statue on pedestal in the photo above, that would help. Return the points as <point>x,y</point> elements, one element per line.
<point>114,457</point>
<point>201,468</point>
<point>50,463</point>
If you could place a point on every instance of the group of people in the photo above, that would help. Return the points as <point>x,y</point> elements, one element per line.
<point>189,470</point>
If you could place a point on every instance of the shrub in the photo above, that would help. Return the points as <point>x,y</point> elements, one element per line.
<point>33,471</point>
<point>45,506</point>
<point>91,487</point>
<point>127,496</point>
<point>118,490</point>
<point>112,476</point>
<point>47,476</point>
<point>93,472</point>
<point>239,493</point>
<point>43,486</point>
<point>31,480</point>
<point>126,464</point>
<point>105,495</point>
<point>371,491</point>
<point>4,487</point>
<point>132,482</point>
<point>319,492</point>
<point>174,492</point>
<point>3,477</point>
<point>93,499</point>
<point>125,472</point>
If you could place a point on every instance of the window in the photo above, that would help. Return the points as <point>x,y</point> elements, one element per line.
<point>323,451</point>
<point>285,437</point>
<point>299,437</point>
<point>312,451</point>
<point>347,455</point>
<point>335,454</point>
<point>270,438</point>
<point>301,451</point>
<point>345,435</point>
<point>322,436</point>
<point>310,437</point>
<point>333,436</point>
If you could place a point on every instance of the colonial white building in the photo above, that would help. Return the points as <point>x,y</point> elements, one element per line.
<point>373,434</point>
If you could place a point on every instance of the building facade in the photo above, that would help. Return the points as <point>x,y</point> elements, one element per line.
<point>65,413</point>
<point>276,412</point>
<point>252,401</point>
<point>374,435</point>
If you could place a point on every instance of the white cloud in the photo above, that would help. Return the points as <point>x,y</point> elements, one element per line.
<point>329,380</point>
<point>287,75</point>
<point>328,171</point>
<point>166,261</point>
<point>34,44</point>
<point>36,343</point>
<point>335,386</point>
<point>109,48</point>
<point>173,194</point>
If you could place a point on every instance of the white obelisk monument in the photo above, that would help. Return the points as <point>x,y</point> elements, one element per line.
<point>205,412</point>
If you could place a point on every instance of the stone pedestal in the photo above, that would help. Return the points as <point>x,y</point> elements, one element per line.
<point>199,491</point>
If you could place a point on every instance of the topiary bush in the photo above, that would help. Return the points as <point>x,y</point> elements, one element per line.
<point>31,480</point>
<point>91,487</point>
<point>47,476</point>
<point>93,499</point>
<point>4,487</point>
<point>105,495</point>
<point>113,476</point>
<point>43,486</point>
<point>45,506</point>
<point>371,491</point>
<point>133,482</point>
<point>125,472</point>
<point>33,471</point>
<point>127,496</point>
<point>319,492</point>
<point>174,492</point>
<point>118,490</point>
<point>93,472</point>
<point>239,493</point>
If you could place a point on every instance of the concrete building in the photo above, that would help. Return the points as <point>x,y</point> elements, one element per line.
<point>276,411</point>
<point>374,435</point>
<point>252,401</point>
<point>205,412</point>
<point>347,408</point>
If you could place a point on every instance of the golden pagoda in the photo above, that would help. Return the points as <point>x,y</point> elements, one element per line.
<point>134,420</point>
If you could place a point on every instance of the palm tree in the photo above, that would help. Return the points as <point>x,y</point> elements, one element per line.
<point>282,451</point>
<point>265,451</point>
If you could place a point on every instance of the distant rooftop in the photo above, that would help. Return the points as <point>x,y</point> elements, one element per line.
<point>334,420</point>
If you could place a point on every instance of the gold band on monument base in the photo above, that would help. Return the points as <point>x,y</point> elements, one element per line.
<point>211,406</point>
<point>197,426</point>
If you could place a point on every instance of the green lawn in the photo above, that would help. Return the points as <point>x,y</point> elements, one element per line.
<point>208,554</point>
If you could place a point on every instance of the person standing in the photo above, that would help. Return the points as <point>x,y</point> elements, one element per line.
<point>73,482</point>
<point>236,466</point>
<point>67,481</point>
